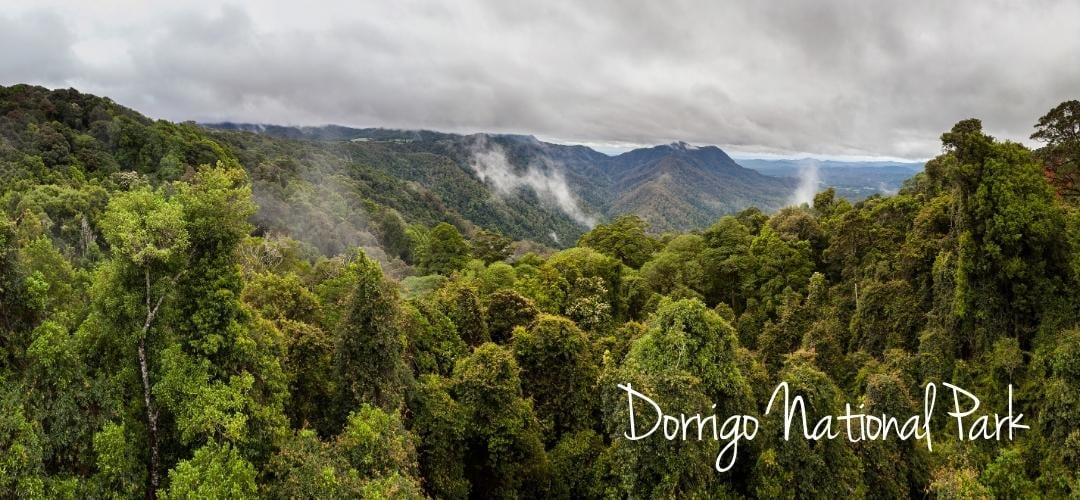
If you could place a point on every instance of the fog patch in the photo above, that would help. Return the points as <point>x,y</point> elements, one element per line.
<point>886,190</point>
<point>809,183</point>
<point>489,162</point>
<point>324,211</point>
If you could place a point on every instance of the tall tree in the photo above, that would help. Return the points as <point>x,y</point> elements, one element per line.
<point>504,452</point>
<point>446,252</point>
<point>804,468</point>
<point>624,238</point>
<point>1009,245</point>
<point>685,362</point>
<point>149,239</point>
<point>558,372</point>
<point>1059,128</point>
<point>370,344</point>
<point>726,260</point>
<point>490,246</point>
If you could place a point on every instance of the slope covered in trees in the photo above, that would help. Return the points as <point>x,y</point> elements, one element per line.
<point>673,187</point>
<point>158,339</point>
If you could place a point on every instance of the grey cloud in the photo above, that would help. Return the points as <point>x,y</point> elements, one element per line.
<point>833,77</point>
<point>37,48</point>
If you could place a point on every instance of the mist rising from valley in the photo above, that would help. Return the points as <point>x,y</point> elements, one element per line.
<point>491,165</point>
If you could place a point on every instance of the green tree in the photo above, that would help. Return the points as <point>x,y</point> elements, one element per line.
<point>558,372</point>
<point>625,238</point>
<point>149,239</point>
<point>726,260</point>
<point>804,468</point>
<point>685,362</point>
<point>507,309</point>
<point>446,251</point>
<point>490,246</point>
<point>217,338</point>
<point>753,219</point>
<point>216,471</point>
<point>797,223</point>
<point>460,302</point>
<point>1007,476</point>
<point>504,454</point>
<point>440,423</point>
<point>369,357</point>
<point>579,262</point>
<point>779,265</point>
<point>376,444</point>
<point>573,463</point>
<point>1059,128</point>
<point>955,484</point>
<point>434,344</point>
<point>209,368</point>
<point>678,265</point>
<point>17,316</point>
<point>1009,245</point>
<point>120,471</point>
<point>20,449</point>
<point>495,277</point>
<point>587,304</point>
<point>887,317</point>
<point>305,467</point>
<point>894,468</point>
<point>393,234</point>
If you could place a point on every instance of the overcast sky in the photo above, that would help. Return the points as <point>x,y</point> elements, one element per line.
<point>830,78</point>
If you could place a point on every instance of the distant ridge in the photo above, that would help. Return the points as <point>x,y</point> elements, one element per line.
<point>673,187</point>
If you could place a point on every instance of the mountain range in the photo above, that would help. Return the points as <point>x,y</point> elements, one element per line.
<point>337,187</point>
<point>673,187</point>
<point>854,180</point>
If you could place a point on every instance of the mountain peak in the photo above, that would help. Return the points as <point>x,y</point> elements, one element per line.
<point>682,146</point>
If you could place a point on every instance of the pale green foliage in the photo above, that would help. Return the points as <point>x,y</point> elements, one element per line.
<point>376,443</point>
<point>204,408</point>
<point>373,457</point>
<point>678,264</point>
<point>120,471</point>
<point>145,228</point>
<point>21,469</point>
<point>215,471</point>
<point>957,484</point>
<point>587,304</point>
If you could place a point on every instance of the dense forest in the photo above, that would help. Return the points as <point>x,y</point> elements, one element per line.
<point>160,339</point>
<point>545,192</point>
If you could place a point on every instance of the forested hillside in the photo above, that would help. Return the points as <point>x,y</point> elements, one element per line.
<point>192,314</point>
<point>313,184</point>
<point>673,187</point>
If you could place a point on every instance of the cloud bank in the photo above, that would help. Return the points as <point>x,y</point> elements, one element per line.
<point>843,77</point>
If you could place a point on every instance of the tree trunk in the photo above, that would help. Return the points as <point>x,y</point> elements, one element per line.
<point>151,419</point>
<point>144,370</point>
